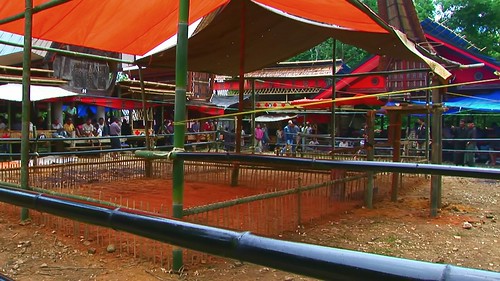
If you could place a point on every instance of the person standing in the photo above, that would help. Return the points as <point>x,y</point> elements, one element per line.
<point>259,135</point>
<point>420,133</point>
<point>494,145</point>
<point>471,145</point>
<point>71,111</point>
<point>265,138</point>
<point>290,135</point>
<point>114,131</point>
<point>279,137</point>
<point>459,134</point>
<point>102,128</point>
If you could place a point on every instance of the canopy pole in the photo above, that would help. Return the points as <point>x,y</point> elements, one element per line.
<point>25,133</point>
<point>334,93</point>
<point>181,74</point>
<point>34,10</point>
<point>239,118</point>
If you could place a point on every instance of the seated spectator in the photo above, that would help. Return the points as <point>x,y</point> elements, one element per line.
<point>3,125</point>
<point>313,144</point>
<point>69,128</point>
<point>87,128</point>
<point>343,144</point>
<point>59,129</point>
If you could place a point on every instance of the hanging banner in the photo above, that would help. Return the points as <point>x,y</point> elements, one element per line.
<point>86,76</point>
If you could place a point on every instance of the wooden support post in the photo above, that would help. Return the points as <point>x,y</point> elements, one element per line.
<point>436,156</point>
<point>370,151</point>
<point>395,123</point>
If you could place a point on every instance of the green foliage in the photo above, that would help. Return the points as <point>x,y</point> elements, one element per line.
<point>478,20</point>
<point>352,55</point>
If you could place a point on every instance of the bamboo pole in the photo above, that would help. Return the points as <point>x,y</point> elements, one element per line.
<point>25,142</point>
<point>181,73</point>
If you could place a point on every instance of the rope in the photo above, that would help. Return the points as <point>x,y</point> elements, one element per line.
<point>337,100</point>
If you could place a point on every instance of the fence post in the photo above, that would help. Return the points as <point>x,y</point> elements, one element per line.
<point>299,202</point>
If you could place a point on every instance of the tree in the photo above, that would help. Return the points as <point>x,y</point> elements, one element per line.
<point>478,20</point>
<point>352,55</point>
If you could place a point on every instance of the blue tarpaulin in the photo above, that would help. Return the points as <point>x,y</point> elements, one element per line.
<point>480,102</point>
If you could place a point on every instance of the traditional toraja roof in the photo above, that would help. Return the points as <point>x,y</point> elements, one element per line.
<point>304,77</point>
<point>153,90</point>
<point>442,32</point>
<point>320,68</point>
<point>402,15</point>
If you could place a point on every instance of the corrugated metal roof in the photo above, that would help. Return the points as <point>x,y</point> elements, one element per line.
<point>19,39</point>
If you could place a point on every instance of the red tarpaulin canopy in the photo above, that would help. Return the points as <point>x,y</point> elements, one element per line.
<point>116,103</point>
<point>358,99</point>
<point>207,109</point>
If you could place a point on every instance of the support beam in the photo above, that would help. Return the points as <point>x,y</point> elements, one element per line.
<point>370,153</point>
<point>437,148</point>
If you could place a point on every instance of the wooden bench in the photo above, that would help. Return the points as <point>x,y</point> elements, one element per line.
<point>96,143</point>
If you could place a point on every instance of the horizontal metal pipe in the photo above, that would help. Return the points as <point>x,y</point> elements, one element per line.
<point>311,260</point>
<point>396,167</point>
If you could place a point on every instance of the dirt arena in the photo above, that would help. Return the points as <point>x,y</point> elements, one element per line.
<point>37,251</point>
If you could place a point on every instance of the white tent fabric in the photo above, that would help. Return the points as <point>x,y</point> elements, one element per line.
<point>14,92</point>
<point>274,118</point>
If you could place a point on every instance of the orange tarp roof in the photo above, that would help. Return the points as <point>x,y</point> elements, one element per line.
<point>340,12</point>
<point>136,27</point>
<point>123,26</point>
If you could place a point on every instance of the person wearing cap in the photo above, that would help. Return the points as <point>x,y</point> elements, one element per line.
<point>459,134</point>
<point>290,132</point>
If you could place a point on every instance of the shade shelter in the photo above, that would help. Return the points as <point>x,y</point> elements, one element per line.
<point>273,35</point>
<point>13,92</point>
<point>148,23</point>
<point>288,27</point>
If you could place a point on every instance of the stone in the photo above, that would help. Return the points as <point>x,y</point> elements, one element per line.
<point>466,225</point>
<point>111,248</point>
<point>44,265</point>
<point>91,251</point>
